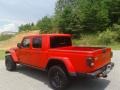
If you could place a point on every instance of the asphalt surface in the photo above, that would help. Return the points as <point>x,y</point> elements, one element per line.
<point>30,79</point>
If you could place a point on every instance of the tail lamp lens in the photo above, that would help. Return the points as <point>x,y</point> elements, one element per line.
<point>90,62</point>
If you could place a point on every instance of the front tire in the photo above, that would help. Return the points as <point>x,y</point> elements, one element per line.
<point>9,63</point>
<point>58,78</point>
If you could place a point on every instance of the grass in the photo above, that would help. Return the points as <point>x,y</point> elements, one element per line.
<point>115,46</point>
<point>92,40</point>
<point>5,37</point>
<point>2,54</point>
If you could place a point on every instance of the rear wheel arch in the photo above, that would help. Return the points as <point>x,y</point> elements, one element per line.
<point>69,67</point>
<point>53,62</point>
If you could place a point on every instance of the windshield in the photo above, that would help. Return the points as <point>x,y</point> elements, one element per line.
<point>60,41</point>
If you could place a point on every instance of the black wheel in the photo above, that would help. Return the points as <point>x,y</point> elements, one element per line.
<point>9,63</point>
<point>58,78</point>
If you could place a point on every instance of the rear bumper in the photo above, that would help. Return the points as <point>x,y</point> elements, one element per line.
<point>102,72</point>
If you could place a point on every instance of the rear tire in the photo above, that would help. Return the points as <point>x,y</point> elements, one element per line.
<point>58,78</point>
<point>9,63</point>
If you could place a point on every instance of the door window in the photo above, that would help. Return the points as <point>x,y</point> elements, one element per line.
<point>26,43</point>
<point>37,42</point>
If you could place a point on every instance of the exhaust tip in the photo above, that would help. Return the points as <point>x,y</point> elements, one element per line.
<point>102,75</point>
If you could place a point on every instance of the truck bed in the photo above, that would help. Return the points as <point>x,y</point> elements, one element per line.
<point>78,56</point>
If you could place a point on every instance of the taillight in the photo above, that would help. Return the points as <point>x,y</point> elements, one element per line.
<point>90,61</point>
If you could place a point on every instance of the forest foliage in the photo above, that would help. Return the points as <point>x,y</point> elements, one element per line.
<point>79,17</point>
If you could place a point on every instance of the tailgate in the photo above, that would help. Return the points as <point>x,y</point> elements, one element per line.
<point>102,57</point>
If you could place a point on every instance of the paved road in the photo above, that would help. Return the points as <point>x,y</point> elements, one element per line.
<point>30,79</point>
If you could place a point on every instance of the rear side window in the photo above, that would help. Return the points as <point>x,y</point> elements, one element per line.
<point>60,41</point>
<point>37,42</point>
<point>26,43</point>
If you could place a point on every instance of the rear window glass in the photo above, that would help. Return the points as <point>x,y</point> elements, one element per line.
<point>60,41</point>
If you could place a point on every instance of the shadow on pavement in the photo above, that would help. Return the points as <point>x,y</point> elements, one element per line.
<point>77,84</point>
<point>89,84</point>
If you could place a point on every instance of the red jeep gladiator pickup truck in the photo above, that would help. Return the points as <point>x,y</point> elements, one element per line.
<point>55,54</point>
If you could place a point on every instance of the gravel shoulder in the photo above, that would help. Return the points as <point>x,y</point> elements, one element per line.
<point>30,79</point>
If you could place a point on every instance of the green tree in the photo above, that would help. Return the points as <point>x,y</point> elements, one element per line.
<point>114,10</point>
<point>45,25</point>
<point>79,16</point>
<point>27,27</point>
<point>23,27</point>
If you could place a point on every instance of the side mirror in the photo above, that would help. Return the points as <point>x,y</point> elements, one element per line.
<point>19,45</point>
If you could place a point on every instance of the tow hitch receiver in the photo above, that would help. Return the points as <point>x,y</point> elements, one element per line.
<point>107,69</point>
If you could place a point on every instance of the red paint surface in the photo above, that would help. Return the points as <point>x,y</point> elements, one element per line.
<point>74,58</point>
